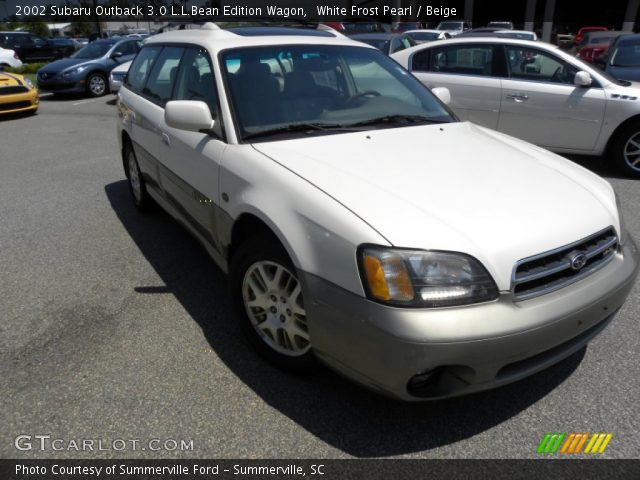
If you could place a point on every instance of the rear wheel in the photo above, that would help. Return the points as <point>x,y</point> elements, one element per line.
<point>96,85</point>
<point>626,150</point>
<point>269,304</point>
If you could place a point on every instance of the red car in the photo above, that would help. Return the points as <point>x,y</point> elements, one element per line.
<point>584,30</point>
<point>595,43</point>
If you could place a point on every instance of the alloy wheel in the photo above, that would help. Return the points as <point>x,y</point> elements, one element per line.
<point>631,152</point>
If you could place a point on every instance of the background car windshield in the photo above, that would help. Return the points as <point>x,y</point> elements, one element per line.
<point>320,84</point>
<point>382,45</point>
<point>626,55</point>
<point>93,50</point>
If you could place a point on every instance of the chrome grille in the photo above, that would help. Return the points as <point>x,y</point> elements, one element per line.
<point>563,266</point>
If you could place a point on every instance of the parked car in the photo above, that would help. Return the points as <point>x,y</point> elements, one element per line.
<point>30,47</point>
<point>87,70</point>
<point>353,26</point>
<point>622,58</point>
<point>387,43</point>
<point>117,77</point>
<point>501,25</point>
<point>563,40</point>
<point>536,92</point>
<point>66,46</point>
<point>360,223</point>
<point>594,44</point>
<point>17,94</point>
<point>424,36</point>
<point>581,33</point>
<point>453,27</point>
<point>9,59</point>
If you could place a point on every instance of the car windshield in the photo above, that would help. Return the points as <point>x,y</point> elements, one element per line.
<point>626,55</point>
<point>93,50</point>
<point>322,89</point>
<point>450,26</point>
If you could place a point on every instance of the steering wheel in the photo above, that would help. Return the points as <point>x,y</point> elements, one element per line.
<point>366,93</point>
<point>557,75</point>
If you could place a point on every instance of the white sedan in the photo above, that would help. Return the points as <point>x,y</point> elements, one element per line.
<point>536,92</point>
<point>116,77</point>
<point>9,58</point>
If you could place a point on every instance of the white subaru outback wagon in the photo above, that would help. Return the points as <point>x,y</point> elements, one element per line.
<point>360,222</point>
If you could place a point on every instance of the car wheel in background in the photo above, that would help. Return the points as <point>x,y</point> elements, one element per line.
<point>141,197</point>
<point>96,85</point>
<point>267,298</point>
<point>626,150</point>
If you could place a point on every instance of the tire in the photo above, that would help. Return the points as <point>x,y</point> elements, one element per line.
<point>271,312</point>
<point>137,186</point>
<point>97,85</point>
<point>624,148</point>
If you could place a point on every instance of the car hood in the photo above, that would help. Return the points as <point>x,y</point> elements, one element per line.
<point>63,64</point>
<point>457,187</point>
<point>625,73</point>
<point>10,80</point>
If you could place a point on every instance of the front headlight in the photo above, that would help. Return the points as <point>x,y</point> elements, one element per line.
<point>424,279</point>
<point>74,71</point>
<point>29,83</point>
<point>622,233</point>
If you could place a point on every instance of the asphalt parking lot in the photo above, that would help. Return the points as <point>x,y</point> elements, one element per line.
<point>116,325</point>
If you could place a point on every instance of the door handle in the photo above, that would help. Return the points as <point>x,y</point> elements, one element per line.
<point>518,98</point>
<point>165,139</point>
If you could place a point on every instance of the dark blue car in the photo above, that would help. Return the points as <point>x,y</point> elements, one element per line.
<point>87,70</point>
<point>622,58</point>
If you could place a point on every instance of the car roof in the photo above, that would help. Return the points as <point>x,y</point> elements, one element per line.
<point>425,30</point>
<point>215,39</point>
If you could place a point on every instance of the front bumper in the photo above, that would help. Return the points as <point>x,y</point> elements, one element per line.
<point>471,348</point>
<point>59,84</point>
<point>20,102</point>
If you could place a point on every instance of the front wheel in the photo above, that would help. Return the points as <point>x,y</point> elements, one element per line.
<point>626,150</point>
<point>137,185</point>
<point>269,305</point>
<point>96,85</point>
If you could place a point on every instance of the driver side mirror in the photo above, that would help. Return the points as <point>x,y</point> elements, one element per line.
<point>116,55</point>
<point>190,115</point>
<point>443,94</point>
<point>582,79</point>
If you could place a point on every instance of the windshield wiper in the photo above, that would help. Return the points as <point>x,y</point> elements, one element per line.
<point>397,119</point>
<point>297,128</point>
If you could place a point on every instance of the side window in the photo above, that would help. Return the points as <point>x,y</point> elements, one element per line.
<point>463,60</point>
<point>536,65</point>
<point>140,68</point>
<point>420,62</point>
<point>163,75</point>
<point>195,80</point>
<point>127,48</point>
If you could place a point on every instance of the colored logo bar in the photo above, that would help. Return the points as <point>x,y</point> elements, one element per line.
<point>573,443</point>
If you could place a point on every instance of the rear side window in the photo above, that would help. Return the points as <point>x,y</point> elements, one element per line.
<point>159,86</point>
<point>140,68</point>
<point>463,60</point>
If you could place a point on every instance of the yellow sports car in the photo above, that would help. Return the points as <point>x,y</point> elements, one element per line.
<point>17,94</point>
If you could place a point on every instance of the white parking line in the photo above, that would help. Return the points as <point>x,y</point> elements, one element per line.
<point>82,102</point>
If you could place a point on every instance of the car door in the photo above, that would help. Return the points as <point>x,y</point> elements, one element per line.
<point>190,161</point>
<point>141,115</point>
<point>471,72</point>
<point>542,105</point>
<point>42,50</point>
